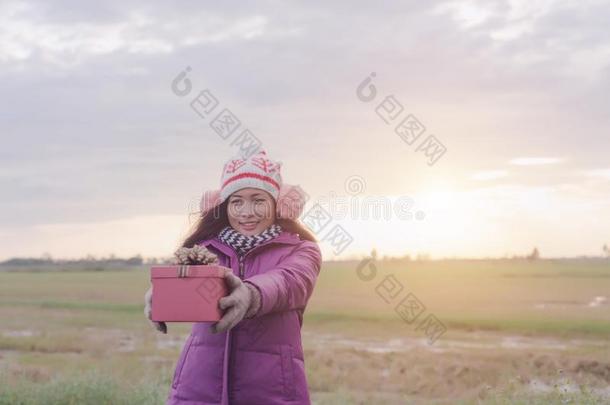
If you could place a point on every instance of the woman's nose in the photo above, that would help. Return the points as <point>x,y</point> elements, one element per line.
<point>247,211</point>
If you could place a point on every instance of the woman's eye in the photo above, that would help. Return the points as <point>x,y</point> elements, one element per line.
<point>260,201</point>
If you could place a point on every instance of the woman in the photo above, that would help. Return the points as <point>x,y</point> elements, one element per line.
<point>253,355</point>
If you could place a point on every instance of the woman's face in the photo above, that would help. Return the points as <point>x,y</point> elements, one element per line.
<point>251,210</point>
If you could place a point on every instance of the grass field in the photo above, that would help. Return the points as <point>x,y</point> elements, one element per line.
<point>516,332</point>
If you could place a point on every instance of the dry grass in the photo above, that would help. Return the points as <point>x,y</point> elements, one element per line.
<point>517,333</point>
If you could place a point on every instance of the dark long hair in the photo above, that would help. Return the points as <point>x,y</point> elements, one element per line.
<point>214,220</point>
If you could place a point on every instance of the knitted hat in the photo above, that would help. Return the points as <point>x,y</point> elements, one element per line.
<point>256,171</point>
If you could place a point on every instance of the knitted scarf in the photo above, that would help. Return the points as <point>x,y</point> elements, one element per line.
<point>243,243</point>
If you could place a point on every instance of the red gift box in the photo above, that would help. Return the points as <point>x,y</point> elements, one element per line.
<point>187,293</point>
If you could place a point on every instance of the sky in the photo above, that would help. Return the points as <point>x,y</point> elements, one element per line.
<point>100,155</point>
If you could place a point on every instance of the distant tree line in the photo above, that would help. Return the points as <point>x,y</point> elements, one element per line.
<point>88,261</point>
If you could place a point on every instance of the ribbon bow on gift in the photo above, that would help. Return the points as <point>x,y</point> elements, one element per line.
<point>196,255</point>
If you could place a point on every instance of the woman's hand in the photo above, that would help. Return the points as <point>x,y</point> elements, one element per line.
<point>160,326</point>
<point>242,302</point>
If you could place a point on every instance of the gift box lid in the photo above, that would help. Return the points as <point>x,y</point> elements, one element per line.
<point>177,271</point>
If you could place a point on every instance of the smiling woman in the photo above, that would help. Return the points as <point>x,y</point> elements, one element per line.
<point>253,354</point>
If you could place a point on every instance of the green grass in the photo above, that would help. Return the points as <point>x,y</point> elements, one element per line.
<point>80,319</point>
<point>74,305</point>
<point>97,388</point>
<point>90,387</point>
<point>557,395</point>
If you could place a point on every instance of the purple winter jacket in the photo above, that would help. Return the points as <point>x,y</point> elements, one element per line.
<point>260,360</point>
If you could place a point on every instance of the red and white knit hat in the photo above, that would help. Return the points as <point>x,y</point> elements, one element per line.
<point>257,171</point>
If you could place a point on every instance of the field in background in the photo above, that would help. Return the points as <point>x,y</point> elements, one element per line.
<point>517,332</point>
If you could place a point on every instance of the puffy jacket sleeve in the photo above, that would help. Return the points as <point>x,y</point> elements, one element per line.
<point>290,283</point>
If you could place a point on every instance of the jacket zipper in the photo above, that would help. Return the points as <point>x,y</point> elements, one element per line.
<point>241,259</point>
<point>241,266</point>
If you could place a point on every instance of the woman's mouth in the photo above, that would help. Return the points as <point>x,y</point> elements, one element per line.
<point>249,226</point>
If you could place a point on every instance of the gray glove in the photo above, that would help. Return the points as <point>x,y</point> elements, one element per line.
<point>160,326</point>
<point>242,302</point>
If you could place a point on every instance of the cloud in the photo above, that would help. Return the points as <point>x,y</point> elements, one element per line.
<point>467,14</point>
<point>66,44</point>
<point>535,161</point>
<point>91,131</point>
<point>599,173</point>
<point>490,175</point>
